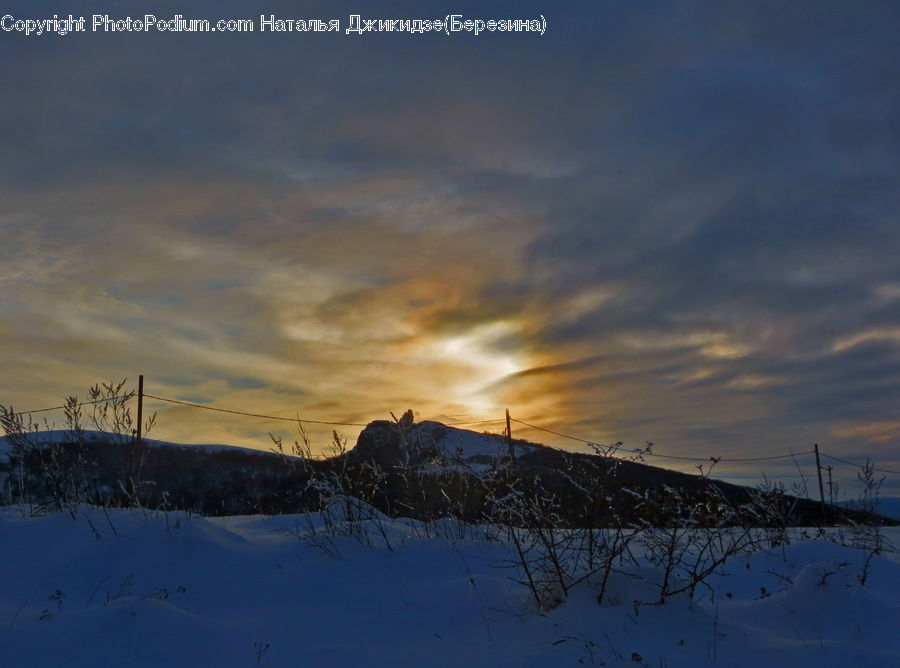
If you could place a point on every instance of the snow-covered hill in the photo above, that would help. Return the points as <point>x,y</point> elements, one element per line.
<point>890,507</point>
<point>886,507</point>
<point>141,588</point>
<point>52,436</point>
<point>453,443</point>
<point>387,442</point>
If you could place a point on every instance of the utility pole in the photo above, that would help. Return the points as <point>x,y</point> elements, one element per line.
<point>512,453</point>
<point>821,489</point>
<point>830,486</point>
<point>140,410</point>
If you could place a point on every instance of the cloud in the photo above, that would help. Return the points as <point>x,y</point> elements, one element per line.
<point>660,223</point>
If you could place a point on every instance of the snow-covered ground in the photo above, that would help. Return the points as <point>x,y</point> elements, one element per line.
<point>136,588</point>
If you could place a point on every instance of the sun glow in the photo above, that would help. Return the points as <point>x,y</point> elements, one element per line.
<point>480,358</point>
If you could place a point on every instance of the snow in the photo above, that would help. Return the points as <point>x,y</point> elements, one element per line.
<point>887,507</point>
<point>470,451</point>
<point>473,444</point>
<point>52,436</point>
<point>142,588</point>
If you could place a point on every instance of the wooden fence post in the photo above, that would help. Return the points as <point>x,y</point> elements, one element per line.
<point>512,452</point>
<point>821,488</point>
<point>140,410</point>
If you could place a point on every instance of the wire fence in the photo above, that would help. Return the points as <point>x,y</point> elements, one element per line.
<point>59,408</point>
<point>837,481</point>
<point>255,415</point>
<point>675,457</point>
<point>834,478</point>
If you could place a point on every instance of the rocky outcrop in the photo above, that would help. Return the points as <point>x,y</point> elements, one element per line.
<point>389,444</point>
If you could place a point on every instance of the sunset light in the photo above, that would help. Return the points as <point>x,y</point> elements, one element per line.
<point>672,225</point>
<point>420,333</point>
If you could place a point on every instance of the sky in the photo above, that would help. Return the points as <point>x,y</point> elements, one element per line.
<point>666,222</point>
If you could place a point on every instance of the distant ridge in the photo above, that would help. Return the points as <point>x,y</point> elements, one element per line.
<point>225,479</point>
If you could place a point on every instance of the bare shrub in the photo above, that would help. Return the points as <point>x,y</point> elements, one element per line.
<point>58,472</point>
<point>694,540</point>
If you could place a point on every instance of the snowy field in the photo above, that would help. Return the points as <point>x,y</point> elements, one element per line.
<point>136,588</point>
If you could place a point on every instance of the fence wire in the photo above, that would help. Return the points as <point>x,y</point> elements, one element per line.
<point>833,481</point>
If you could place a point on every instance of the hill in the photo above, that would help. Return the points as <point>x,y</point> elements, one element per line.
<point>424,470</point>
